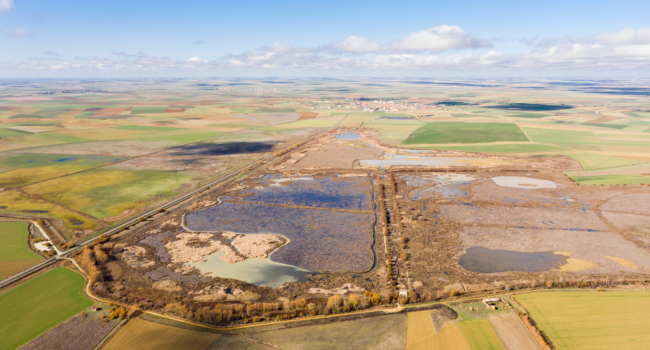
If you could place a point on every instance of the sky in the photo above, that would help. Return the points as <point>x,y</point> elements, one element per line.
<point>196,38</point>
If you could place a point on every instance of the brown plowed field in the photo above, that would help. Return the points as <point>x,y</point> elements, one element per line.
<point>512,332</point>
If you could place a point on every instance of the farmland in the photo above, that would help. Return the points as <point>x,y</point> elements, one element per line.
<point>591,320</point>
<point>383,332</point>
<point>480,335</point>
<point>15,253</point>
<point>28,312</point>
<point>140,334</point>
<point>410,192</point>
<point>420,333</point>
<point>465,133</point>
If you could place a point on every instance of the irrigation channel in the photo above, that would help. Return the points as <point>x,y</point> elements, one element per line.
<point>134,221</point>
<point>374,228</point>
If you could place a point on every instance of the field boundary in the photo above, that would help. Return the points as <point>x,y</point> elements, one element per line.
<point>117,228</point>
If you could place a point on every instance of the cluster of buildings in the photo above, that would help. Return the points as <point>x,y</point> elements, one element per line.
<point>388,106</point>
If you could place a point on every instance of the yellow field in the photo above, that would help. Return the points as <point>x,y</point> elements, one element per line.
<point>420,333</point>
<point>512,331</point>
<point>452,338</point>
<point>591,320</point>
<point>480,335</point>
<point>9,268</point>
<point>138,334</point>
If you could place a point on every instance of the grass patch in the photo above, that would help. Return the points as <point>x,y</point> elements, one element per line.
<point>28,116</point>
<point>561,136</point>
<point>30,168</point>
<point>11,133</point>
<point>527,115</point>
<point>524,147</point>
<point>309,123</point>
<point>592,161</point>
<point>108,191</point>
<point>40,304</point>
<point>610,126</point>
<point>60,138</point>
<point>589,320</point>
<point>638,114</point>
<point>612,179</point>
<point>187,138</point>
<point>51,112</point>
<point>84,115</point>
<point>274,110</point>
<point>148,110</point>
<point>12,267</point>
<point>145,128</point>
<point>14,202</point>
<point>480,335</point>
<point>465,133</point>
<point>14,237</point>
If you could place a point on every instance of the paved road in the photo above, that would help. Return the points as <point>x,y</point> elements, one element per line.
<point>120,227</point>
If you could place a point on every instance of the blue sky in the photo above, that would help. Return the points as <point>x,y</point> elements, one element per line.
<point>375,38</point>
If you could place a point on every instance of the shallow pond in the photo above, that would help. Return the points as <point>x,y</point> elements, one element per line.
<point>319,192</point>
<point>442,185</point>
<point>256,271</point>
<point>348,136</point>
<point>321,240</point>
<point>522,182</point>
<point>483,260</point>
<point>413,160</point>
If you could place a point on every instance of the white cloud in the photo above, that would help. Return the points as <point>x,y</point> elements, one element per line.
<point>18,32</point>
<point>5,5</point>
<point>439,38</point>
<point>627,36</point>
<point>279,47</point>
<point>424,50</point>
<point>358,44</point>
<point>199,42</point>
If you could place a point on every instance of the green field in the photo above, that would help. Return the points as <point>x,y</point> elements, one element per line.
<point>591,320</point>
<point>562,136</point>
<point>612,179</point>
<point>149,110</point>
<point>14,202</point>
<point>109,191</point>
<point>592,161</point>
<point>309,123</point>
<point>30,168</point>
<point>522,147</point>
<point>480,335</point>
<point>40,304</point>
<point>145,128</point>
<point>465,133</point>
<point>13,242</point>
<point>11,133</point>
<point>15,254</point>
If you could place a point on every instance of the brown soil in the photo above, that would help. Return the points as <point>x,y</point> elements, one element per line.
<point>512,332</point>
<point>436,232</point>
<point>77,333</point>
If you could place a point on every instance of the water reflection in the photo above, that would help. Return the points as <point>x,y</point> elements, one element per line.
<point>256,271</point>
<point>483,260</point>
<point>413,160</point>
